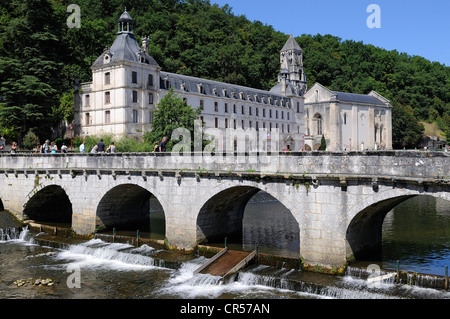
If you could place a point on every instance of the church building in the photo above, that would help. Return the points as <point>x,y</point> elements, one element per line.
<point>127,85</point>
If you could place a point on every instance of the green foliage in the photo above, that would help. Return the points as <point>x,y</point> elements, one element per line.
<point>124,144</point>
<point>323,143</point>
<point>30,140</point>
<point>406,130</point>
<point>172,113</point>
<point>40,57</point>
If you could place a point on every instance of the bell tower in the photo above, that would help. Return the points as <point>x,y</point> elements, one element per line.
<point>291,60</point>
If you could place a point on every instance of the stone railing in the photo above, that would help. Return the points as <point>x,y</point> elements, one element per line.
<point>387,164</point>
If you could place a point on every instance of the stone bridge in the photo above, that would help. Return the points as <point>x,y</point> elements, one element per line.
<point>339,200</point>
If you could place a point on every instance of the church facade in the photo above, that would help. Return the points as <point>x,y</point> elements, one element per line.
<point>127,85</point>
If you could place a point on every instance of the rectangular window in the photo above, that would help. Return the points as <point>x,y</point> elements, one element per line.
<point>243,126</point>
<point>216,107</point>
<point>135,116</point>
<point>107,97</point>
<point>201,105</point>
<point>135,96</point>
<point>216,122</point>
<point>270,113</point>
<point>107,78</point>
<point>234,108</point>
<point>257,112</point>
<point>87,100</point>
<point>243,109</point>
<point>298,107</point>
<point>282,115</point>
<point>226,107</point>
<point>226,123</point>
<point>201,119</point>
<point>250,110</point>
<point>88,119</point>
<point>150,120</point>
<point>133,77</point>
<point>276,114</point>
<point>234,124</point>
<point>107,117</point>
<point>257,126</point>
<point>185,100</point>
<point>150,80</point>
<point>150,98</point>
<point>264,112</point>
<point>288,116</point>
<point>250,124</point>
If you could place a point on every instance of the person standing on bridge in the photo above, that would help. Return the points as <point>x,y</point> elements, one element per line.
<point>83,147</point>
<point>101,146</point>
<point>162,145</point>
<point>111,148</point>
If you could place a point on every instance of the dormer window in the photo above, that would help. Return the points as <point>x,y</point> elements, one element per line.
<point>201,88</point>
<point>241,95</point>
<point>224,92</point>
<point>107,55</point>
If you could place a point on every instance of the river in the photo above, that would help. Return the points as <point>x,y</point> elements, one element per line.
<point>417,233</point>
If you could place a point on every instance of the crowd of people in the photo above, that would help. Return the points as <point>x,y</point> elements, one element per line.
<point>51,147</point>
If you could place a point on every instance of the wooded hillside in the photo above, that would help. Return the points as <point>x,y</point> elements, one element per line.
<point>40,57</point>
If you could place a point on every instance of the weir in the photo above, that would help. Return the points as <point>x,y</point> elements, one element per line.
<point>120,257</point>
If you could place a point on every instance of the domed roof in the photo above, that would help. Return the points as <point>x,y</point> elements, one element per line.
<point>125,17</point>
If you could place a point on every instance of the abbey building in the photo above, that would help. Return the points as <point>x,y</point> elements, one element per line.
<point>127,85</point>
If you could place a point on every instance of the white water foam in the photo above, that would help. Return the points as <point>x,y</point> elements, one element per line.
<point>14,235</point>
<point>99,254</point>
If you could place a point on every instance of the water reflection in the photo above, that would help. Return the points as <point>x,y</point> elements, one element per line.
<point>271,225</point>
<point>417,233</point>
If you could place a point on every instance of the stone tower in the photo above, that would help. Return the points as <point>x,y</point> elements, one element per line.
<point>291,71</point>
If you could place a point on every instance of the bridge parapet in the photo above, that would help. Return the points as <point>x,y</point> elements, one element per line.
<point>385,164</point>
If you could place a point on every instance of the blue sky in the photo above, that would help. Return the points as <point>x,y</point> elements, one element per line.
<point>415,27</point>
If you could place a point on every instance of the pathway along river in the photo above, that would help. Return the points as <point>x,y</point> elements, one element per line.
<point>417,233</point>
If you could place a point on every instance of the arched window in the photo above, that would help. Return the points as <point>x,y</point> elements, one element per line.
<point>376,133</point>
<point>318,124</point>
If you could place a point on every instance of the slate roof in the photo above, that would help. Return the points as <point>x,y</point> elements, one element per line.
<point>291,44</point>
<point>125,48</point>
<point>357,98</point>
<point>125,17</point>
<point>189,84</point>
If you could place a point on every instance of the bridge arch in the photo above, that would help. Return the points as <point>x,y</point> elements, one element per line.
<point>364,229</point>
<point>129,207</point>
<point>50,204</point>
<point>223,216</point>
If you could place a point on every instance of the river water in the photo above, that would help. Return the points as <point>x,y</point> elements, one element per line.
<point>417,233</point>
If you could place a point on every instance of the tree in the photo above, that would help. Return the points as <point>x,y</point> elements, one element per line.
<point>30,66</point>
<point>171,113</point>
<point>406,130</point>
<point>323,144</point>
